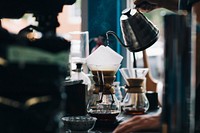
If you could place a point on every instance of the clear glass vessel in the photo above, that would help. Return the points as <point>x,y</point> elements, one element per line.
<point>78,74</point>
<point>135,101</point>
<point>103,104</point>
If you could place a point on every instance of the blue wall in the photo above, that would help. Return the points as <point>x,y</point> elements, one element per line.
<point>104,15</point>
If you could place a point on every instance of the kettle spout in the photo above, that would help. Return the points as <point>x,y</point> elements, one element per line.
<point>115,35</point>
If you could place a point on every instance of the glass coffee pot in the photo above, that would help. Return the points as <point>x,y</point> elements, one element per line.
<point>135,100</point>
<point>103,104</point>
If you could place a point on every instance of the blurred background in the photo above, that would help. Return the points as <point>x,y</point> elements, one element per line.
<point>80,17</point>
<point>96,17</point>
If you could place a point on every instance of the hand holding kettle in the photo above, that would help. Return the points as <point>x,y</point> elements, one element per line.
<point>149,5</point>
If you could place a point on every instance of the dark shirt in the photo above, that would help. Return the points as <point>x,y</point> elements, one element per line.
<point>191,2</point>
<point>187,4</point>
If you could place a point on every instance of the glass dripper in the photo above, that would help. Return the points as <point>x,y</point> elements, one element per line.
<point>135,100</point>
<point>104,105</point>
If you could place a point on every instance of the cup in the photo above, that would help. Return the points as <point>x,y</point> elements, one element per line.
<point>79,48</point>
<point>153,100</point>
<point>78,124</point>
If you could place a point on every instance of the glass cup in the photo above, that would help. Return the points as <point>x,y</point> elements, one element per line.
<point>79,48</point>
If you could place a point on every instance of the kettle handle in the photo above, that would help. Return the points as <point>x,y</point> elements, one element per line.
<point>115,35</point>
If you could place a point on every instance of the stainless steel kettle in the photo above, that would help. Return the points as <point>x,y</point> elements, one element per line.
<point>138,31</point>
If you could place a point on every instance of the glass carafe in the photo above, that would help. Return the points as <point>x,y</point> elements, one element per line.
<point>135,101</point>
<point>104,105</point>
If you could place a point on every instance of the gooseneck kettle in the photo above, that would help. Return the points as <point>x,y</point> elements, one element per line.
<point>138,31</point>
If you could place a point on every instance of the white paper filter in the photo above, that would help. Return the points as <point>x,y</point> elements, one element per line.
<point>104,56</point>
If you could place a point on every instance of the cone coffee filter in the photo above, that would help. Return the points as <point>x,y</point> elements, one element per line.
<point>104,55</point>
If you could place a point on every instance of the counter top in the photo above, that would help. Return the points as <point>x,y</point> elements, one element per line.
<point>108,127</point>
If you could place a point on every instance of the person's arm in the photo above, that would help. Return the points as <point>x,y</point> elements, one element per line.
<point>149,5</point>
<point>196,11</point>
<point>138,123</point>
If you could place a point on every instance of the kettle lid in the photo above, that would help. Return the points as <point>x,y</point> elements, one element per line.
<point>128,12</point>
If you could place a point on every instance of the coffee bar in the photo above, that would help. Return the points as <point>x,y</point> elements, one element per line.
<point>46,86</point>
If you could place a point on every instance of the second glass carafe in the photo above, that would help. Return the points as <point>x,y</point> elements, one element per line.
<point>135,101</point>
